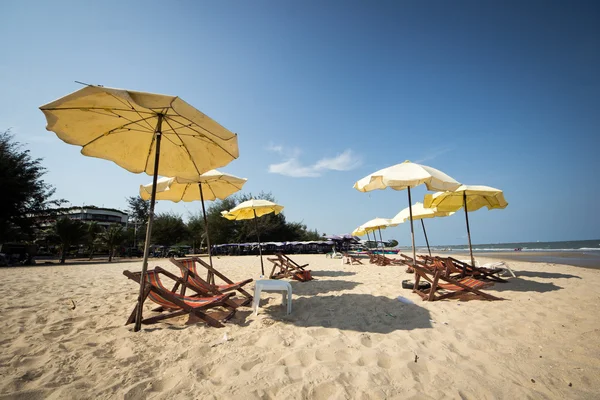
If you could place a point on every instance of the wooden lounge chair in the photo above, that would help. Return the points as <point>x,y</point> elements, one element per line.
<point>178,305</point>
<point>452,287</point>
<point>351,259</point>
<point>189,274</point>
<point>285,267</point>
<point>477,272</point>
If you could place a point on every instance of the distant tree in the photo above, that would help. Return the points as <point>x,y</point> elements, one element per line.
<point>93,231</point>
<point>196,230</point>
<point>24,192</point>
<point>168,229</point>
<point>138,211</point>
<point>113,237</point>
<point>67,232</point>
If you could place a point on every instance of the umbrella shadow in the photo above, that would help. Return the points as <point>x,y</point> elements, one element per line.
<point>524,285</point>
<point>356,312</point>
<point>315,287</point>
<point>548,275</point>
<point>332,273</point>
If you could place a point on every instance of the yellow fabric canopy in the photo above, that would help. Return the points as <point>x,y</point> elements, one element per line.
<point>215,185</point>
<point>120,125</point>
<point>252,209</point>
<point>377,223</point>
<point>476,197</point>
<point>419,212</point>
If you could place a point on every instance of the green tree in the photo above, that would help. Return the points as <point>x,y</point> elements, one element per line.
<point>168,229</point>
<point>112,238</point>
<point>67,232</point>
<point>138,211</point>
<point>93,230</point>
<point>24,192</point>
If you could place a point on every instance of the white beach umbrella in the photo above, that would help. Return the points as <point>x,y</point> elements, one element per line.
<point>406,176</point>
<point>377,224</point>
<point>420,212</point>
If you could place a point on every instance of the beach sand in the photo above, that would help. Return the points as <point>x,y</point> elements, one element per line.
<point>63,336</point>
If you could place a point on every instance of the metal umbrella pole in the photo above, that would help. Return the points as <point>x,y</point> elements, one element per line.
<point>210,276</point>
<point>381,238</point>
<point>262,267</point>
<point>425,233</point>
<point>140,304</point>
<point>468,230</point>
<point>412,229</point>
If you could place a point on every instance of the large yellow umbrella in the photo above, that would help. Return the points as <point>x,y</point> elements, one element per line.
<point>469,197</point>
<point>406,176</point>
<point>128,128</point>
<point>420,212</point>
<point>252,209</point>
<point>210,186</point>
<point>377,224</point>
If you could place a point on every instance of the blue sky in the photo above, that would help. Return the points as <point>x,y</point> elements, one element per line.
<point>504,94</point>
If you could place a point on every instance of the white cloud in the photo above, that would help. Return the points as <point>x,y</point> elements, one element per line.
<point>344,161</point>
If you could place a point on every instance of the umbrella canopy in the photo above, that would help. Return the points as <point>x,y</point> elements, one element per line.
<point>121,126</point>
<point>127,128</point>
<point>377,224</point>
<point>469,197</point>
<point>214,184</point>
<point>210,185</point>
<point>252,209</point>
<point>406,176</point>
<point>477,197</point>
<point>420,212</point>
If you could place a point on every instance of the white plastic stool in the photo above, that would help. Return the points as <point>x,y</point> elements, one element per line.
<point>272,285</point>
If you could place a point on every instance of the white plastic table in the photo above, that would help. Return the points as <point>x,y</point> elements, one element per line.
<point>272,285</point>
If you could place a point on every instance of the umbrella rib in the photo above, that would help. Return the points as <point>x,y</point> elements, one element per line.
<point>114,130</point>
<point>191,127</point>
<point>184,147</point>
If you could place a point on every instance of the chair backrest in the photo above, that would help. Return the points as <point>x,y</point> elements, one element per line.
<point>188,269</point>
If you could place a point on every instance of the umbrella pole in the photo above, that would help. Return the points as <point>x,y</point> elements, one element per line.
<point>368,240</point>
<point>381,238</point>
<point>468,230</point>
<point>412,228</point>
<point>211,277</point>
<point>425,233</point>
<point>262,267</point>
<point>138,314</point>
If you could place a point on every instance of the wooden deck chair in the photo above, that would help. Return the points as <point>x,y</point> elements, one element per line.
<point>285,267</point>
<point>453,287</point>
<point>478,272</point>
<point>177,305</point>
<point>189,273</point>
<point>351,259</point>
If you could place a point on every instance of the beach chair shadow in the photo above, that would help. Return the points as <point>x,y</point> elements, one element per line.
<point>547,275</point>
<point>357,312</point>
<point>524,285</point>
<point>324,286</point>
<point>332,273</point>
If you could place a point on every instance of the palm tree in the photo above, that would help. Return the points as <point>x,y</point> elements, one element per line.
<point>67,232</point>
<point>93,230</point>
<point>112,238</point>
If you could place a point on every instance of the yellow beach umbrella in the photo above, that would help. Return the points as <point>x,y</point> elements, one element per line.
<point>360,231</point>
<point>128,128</point>
<point>406,176</point>
<point>209,186</point>
<point>253,209</point>
<point>420,212</point>
<point>469,197</point>
<point>377,224</point>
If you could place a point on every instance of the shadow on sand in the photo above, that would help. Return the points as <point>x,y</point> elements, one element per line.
<point>354,312</point>
<point>523,285</point>
<point>315,287</point>
<point>547,275</point>
<point>332,273</point>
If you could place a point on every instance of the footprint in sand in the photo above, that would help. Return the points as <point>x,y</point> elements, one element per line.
<point>247,366</point>
<point>365,340</point>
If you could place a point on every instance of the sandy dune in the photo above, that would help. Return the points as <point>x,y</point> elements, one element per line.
<point>348,336</point>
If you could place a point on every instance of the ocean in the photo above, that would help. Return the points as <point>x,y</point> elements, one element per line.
<point>581,253</point>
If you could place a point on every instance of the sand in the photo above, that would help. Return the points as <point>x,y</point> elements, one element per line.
<point>63,336</point>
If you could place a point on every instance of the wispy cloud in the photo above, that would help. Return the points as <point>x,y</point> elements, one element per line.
<point>434,153</point>
<point>292,166</point>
